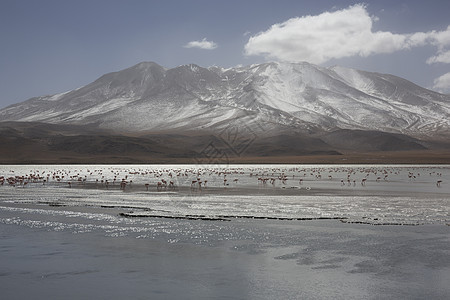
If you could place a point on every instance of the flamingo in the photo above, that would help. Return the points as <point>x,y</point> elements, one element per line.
<point>123,185</point>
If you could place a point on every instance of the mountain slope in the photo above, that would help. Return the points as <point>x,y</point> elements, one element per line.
<point>269,99</point>
<point>37,143</point>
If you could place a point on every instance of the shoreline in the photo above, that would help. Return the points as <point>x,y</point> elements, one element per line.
<point>433,157</point>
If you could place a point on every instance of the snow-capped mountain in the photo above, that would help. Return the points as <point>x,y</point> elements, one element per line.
<point>298,97</point>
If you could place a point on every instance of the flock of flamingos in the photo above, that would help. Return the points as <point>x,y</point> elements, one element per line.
<point>197,178</point>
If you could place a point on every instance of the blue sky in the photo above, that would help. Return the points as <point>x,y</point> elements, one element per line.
<point>52,46</point>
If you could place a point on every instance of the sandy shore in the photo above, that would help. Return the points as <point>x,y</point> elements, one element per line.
<point>382,157</point>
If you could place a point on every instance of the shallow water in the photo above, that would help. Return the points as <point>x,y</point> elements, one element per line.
<point>240,259</point>
<point>368,194</point>
<point>240,240</point>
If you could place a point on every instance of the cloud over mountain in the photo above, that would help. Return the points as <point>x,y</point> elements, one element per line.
<point>442,83</point>
<point>339,34</point>
<point>203,44</point>
<point>442,57</point>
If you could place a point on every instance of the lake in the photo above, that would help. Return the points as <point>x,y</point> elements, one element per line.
<point>225,231</point>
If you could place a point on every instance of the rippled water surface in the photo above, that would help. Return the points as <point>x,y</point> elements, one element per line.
<point>238,231</point>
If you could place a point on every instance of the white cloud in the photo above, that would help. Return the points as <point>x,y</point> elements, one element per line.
<point>343,33</point>
<point>203,44</point>
<point>442,83</point>
<point>441,57</point>
<point>441,38</point>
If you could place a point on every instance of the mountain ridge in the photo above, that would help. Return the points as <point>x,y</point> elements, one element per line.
<point>301,94</point>
<point>325,107</point>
